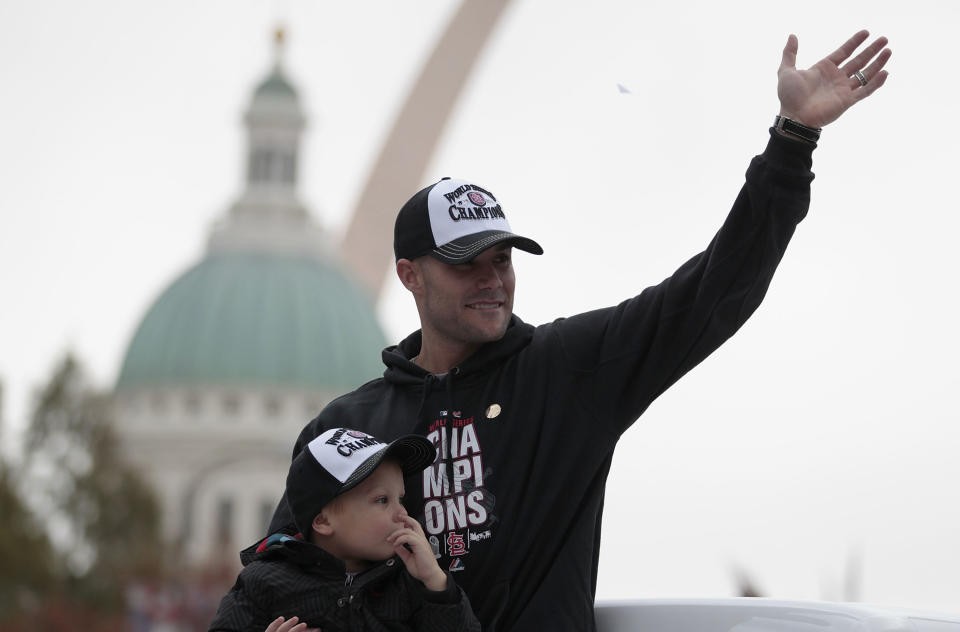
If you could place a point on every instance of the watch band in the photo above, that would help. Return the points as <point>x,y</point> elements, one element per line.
<point>800,130</point>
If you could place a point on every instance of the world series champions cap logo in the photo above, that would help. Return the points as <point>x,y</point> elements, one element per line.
<point>453,221</point>
<point>459,208</point>
<point>341,451</point>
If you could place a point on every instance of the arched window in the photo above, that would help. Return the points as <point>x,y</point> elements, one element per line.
<point>260,165</point>
<point>288,168</point>
<point>267,505</point>
<point>223,521</point>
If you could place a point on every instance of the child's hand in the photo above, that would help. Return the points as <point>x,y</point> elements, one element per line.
<point>289,625</point>
<point>419,558</point>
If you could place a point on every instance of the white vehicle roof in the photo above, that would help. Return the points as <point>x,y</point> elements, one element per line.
<point>764,615</point>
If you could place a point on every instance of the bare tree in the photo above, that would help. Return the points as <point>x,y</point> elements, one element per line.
<point>102,518</point>
<point>27,563</point>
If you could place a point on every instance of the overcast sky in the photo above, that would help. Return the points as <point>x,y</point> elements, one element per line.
<point>825,430</point>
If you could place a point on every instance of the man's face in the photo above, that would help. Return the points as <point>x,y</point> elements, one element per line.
<point>470,303</point>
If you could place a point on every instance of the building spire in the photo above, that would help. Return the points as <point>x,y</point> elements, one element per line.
<point>268,216</point>
<point>279,44</point>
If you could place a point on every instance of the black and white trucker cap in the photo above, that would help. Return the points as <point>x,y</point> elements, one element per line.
<point>454,221</point>
<point>340,459</point>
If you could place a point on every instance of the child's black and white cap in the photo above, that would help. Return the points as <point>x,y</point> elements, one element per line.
<point>340,459</point>
<point>454,221</point>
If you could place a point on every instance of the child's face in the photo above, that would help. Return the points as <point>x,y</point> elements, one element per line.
<point>366,515</point>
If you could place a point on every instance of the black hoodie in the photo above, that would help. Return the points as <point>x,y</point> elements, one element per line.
<point>526,426</point>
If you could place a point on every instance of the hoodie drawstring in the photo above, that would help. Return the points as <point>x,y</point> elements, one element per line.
<point>450,408</point>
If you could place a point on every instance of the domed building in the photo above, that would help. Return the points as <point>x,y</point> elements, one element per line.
<point>242,349</point>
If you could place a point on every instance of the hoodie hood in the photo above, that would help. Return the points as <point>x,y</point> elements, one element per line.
<point>288,545</point>
<point>401,369</point>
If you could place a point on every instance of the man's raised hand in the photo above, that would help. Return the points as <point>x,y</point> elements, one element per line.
<point>820,94</point>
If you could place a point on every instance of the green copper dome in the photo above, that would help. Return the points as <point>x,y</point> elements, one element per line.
<point>276,84</point>
<point>266,319</point>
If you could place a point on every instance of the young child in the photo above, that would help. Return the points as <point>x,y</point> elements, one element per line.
<point>361,562</point>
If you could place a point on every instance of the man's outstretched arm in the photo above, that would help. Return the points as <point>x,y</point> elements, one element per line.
<point>644,345</point>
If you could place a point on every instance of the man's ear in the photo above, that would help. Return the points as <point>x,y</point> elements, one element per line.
<point>409,274</point>
<point>321,524</point>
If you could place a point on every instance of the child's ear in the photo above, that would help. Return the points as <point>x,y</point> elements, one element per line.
<point>321,524</point>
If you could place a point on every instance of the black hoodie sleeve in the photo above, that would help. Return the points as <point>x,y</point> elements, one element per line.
<point>240,609</point>
<point>443,611</point>
<point>631,353</point>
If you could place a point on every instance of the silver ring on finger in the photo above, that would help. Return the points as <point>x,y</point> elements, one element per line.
<point>860,78</point>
